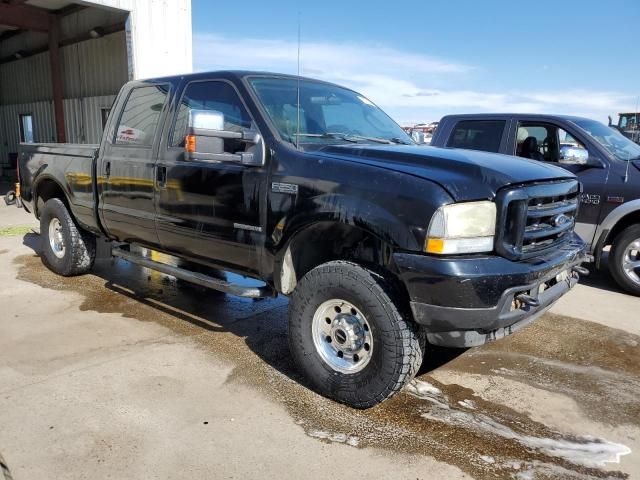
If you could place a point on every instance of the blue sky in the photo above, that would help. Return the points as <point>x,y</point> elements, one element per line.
<point>422,60</point>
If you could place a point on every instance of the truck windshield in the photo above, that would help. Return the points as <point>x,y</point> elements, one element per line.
<point>616,144</point>
<point>327,114</point>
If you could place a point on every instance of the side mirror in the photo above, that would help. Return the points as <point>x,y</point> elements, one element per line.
<point>206,135</point>
<point>570,155</point>
<point>610,121</point>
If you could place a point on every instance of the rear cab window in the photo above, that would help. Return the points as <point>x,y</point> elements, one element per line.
<point>485,135</point>
<point>140,115</point>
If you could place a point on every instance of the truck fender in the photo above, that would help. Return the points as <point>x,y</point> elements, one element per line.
<point>603,231</point>
<point>333,208</point>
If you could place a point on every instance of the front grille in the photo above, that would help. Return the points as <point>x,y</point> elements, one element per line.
<point>536,217</point>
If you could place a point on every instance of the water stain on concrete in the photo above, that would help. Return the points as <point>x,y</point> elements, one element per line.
<point>455,425</point>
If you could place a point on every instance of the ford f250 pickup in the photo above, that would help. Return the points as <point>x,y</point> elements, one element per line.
<point>383,246</point>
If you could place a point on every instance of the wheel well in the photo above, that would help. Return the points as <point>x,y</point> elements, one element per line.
<point>327,241</point>
<point>632,218</point>
<point>46,190</point>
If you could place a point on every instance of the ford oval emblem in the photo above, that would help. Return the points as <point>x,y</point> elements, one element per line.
<point>560,220</point>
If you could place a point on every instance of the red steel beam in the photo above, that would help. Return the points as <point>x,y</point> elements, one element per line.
<point>56,77</point>
<point>24,17</point>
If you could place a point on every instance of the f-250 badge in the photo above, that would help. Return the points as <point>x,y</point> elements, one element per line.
<point>590,199</point>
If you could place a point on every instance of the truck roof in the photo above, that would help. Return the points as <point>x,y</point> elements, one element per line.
<point>232,74</point>
<point>540,116</point>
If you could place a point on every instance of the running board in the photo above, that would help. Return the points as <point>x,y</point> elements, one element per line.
<point>195,277</point>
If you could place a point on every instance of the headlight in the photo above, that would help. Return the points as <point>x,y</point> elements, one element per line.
<point>462,228</point>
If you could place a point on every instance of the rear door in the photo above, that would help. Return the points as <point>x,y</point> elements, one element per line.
<point>126,171</point>
<point>210,209</point>
<point>488,135</point>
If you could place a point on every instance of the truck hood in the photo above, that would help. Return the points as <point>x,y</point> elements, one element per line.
<point>465,174</point>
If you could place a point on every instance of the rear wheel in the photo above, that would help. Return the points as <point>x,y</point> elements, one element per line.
<point>66,249</point>
<point>624,261</point>
<point>349,337</point>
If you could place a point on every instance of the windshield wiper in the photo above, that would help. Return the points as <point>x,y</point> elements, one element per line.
<point>339,136</point>
<point>349,137</point>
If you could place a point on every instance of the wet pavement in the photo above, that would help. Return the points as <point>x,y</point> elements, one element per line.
<point>557,400</point>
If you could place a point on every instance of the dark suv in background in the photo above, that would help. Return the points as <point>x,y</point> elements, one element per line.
<point>606,162</point>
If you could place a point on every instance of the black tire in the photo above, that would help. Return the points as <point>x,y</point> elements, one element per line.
<point>10,197</point>
<point>389,369</point>
<point>79,246</point>
<point>616,259</point>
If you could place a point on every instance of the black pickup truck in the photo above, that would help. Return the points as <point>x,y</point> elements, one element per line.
<point>382,245</point>
<point>606,163</point>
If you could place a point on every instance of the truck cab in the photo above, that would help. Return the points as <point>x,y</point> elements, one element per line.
<point>606,163</point>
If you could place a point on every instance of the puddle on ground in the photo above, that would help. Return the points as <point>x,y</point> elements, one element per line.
<point>446,421</point>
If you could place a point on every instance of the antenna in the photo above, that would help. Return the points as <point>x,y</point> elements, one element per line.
<point>298,91</point>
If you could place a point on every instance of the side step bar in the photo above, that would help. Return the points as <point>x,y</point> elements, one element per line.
<point>195,277</point>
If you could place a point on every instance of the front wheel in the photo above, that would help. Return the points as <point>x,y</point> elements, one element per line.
<point>66,249</point>
<point>348,336</point>
<point>624,261</point>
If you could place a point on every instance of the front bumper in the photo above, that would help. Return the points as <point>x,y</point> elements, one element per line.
<point>469,301</point>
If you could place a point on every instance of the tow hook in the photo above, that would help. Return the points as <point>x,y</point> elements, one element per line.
<point>528,300</point>
<point>581,270</point>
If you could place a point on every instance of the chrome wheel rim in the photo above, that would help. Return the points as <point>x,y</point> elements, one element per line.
<point>342,336</point>
<point>56,239</point>
<point>631,261</point>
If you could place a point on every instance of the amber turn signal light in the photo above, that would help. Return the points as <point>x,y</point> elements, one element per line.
<point>190,143</point>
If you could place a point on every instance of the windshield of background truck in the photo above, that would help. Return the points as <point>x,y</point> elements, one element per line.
<point>328,114</point>
<point>616,144</point>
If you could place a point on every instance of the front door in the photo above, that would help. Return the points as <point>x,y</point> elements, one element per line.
<point>210,210</point>
<point>126,176</point>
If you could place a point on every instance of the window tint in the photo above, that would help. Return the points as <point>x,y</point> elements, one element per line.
<point>216,96</point>
<point>140,115</point>
<point>482,135</point>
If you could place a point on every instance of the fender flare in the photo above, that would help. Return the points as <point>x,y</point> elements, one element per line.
<point>338,209</point>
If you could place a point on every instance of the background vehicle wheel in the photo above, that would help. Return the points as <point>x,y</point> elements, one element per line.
<point>624,261</point>
<point>348,336</point>
<point>66,249</point>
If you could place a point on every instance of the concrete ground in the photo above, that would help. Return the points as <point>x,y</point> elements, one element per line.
<point>125,373</point>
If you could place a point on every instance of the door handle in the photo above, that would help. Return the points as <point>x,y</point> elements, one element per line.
<point>107,169</point>
<point>161,175</point>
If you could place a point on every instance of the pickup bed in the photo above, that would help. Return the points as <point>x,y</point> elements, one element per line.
<point>606,163</point>
<point>382,246</point>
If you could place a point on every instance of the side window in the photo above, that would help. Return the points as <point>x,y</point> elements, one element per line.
<point>543,141</point>
<point>482,135</point>
<point>217,96</point>
<point>26,128</point>
<point>140,115</point>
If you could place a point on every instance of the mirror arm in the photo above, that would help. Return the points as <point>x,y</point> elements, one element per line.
<point>241,158</point>
<point>246,136</point>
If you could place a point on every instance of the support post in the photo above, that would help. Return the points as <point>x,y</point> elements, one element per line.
<point>56,77</point>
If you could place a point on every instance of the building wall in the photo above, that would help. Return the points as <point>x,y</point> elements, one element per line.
<point>160,35</point>
<point>90,68</point>
<point>156,42</point>
<point>83,121</point>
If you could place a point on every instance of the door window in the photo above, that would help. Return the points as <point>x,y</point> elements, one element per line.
<point>214,96</point>
<point>26,128</point>
<point>140,115</point>
<point>482,135</point>
<point>543,141</point>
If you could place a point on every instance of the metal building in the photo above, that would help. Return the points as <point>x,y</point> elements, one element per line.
<point>62,63</point>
